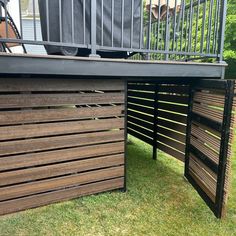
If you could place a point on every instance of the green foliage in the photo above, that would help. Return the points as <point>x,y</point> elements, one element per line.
<point>230,40</point>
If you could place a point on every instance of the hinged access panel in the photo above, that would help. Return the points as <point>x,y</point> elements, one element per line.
<point>209,137</point>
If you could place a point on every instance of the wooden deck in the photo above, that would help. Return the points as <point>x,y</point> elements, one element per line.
<point>19,64</point>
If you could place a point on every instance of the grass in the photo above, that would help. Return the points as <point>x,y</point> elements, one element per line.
<point>158,202</point>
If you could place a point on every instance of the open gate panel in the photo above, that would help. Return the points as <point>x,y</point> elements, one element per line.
<point>209,142</point>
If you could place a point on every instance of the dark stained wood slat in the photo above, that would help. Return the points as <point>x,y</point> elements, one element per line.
<point>206,137</point>
<point>55,84</point>
<point>141,130</point>
<point>147,110</point>
<point>173,107</point>
<point>54,170</point>
<point>141,94</point>
<point>205,150</point>
<point>180,156</point>
<point>60,195</point>
<point>171,134</point>
<point>45,115</point>
<point>172,143</point>
<point>38,130</point>
<point>66,141</point>
<point>50,157</point>
<point>140,123</point>
<point>143,102</point>
<point>177,89</point>
<point>22,190</point>
<point>140,136</point>
<point>39,100</point>
<point>142,87</point>
<point>172,116</point>
<point>173,98</point>
<point>141,116</point>
<point>171,125</point>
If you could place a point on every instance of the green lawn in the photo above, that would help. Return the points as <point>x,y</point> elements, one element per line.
<point>158,202</point>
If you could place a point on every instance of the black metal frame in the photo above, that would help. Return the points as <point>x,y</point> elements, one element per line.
<point>182,26</point>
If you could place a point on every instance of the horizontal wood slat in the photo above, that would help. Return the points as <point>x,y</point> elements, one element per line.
<point>140,136</point>
<point>38,130</point>
<point>41,144</point>
<point>171,134</point>
<point>46,115</point>
<point>177,89</point>
<point>173,98</point>
<point>141,94</point>
<point>22,190</point>
<point>19,176</point>
<point>143,102</point>
<point>172,116</point>
<point>141,116</point>
<point>38,100</point>
<point>173,143</point>
<point>147,110</point>
<point>140,123</point>
<point>173,107</point>
<point>56,156</point>
<point>142,87</point>
<point>55,84</point>
<point>172,125</point>
<point>60,195</point>
<point>140,129</point>
<point>180,156</point>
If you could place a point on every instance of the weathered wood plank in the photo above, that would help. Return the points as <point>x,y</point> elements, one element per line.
<point>31,188</point>
<point>20,176</point>
<point>173,108</point>
<point>173,98</point>
<point>64,99</point>
<point>56,156</point>
<point>60,195</point>
<point>180,156</point>
<point>172,116</point>
<point>45,115</point>
<point>55,84</point>
<point>49,129</point>
<point>171,125</point>
<point>172,143</point>
<point>65,141</point>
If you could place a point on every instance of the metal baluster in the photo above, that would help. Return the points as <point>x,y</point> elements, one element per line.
<point>34,20</point>
<point>203,26</point>
<point>197,19</point>
<point>209,27</point>
<point>141,26</point>
<point>102,26</point>
<point>72,22</point>
<point>167,37</point>
<point>47,17</point>
<point>60,20</point>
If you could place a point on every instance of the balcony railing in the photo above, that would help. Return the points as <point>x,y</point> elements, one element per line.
<point>149,30</point>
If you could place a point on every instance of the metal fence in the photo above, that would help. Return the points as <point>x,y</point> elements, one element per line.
<point>143,29</point>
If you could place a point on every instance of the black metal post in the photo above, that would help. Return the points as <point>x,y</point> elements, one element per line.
<point>125,134</point>
<point>94,29</point>
<point>188,130</point>
<point>222,19</point>
<point>155,114</point>
<point>224,146</point>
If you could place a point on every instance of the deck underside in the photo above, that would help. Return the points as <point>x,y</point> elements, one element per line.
<point>18,64</point>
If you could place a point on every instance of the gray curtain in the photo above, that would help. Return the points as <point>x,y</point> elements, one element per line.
<point>79,31</point>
